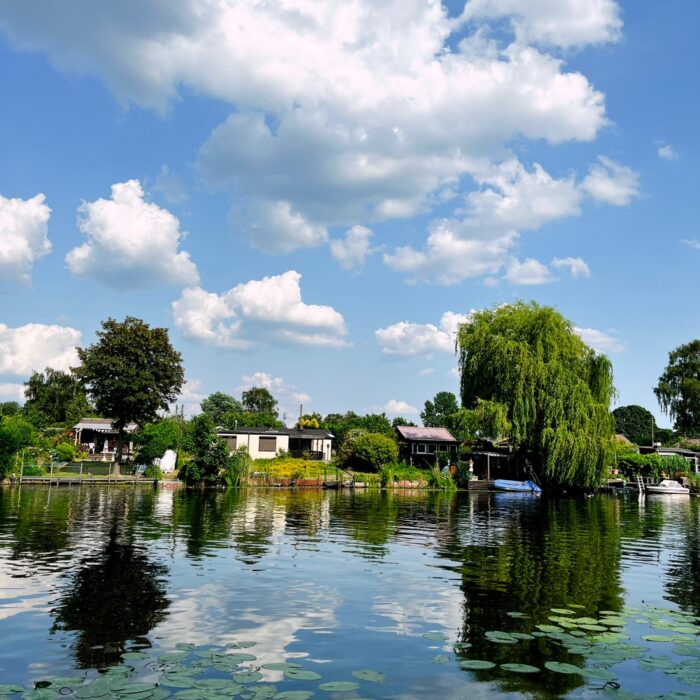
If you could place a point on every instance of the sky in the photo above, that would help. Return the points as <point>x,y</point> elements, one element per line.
<point>312,195</point>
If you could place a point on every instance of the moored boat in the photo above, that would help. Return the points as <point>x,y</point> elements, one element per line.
<point>523,486</point>
<point>667,486</point>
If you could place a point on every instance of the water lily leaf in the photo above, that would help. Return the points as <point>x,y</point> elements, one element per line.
<point>441,659</point>
<point>602,674</point>
<point>476,664</point>
<point>548,628</point>
<point>294,695</point>
<point>248,677</point>
<point>686,650</point>
<point>40,694</point>
<point>368,675</point>
<point>240,645</point>
<point>133,688</point>
<point>173,657</point>
<point>65,682</point>
<point>657,638</point>
<point>261,692</point>
<point>178,681</point>
<point>135,655</point>
<point>339,686</point>
<point>516,614</point>
<point>10,689</point>
<point>95,689</point>
<point>281,666</point>
<point>586,620</point>
<point>298,674</point>
<point>500,637</point>
<point>612,621</point>
<point>576,605</point>
<point>558,667</point>
<point>462,646</point>
<point>521,635</point>
<point>435,636</point>
<point>188,646</point>
<point>237,658</point>
<point>520,668</point>
<point>562,611</point>
<point>593,628</point>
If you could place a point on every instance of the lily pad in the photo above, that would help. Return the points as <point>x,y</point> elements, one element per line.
<point>173,656</point>
<point>558,667</point>
<point>476,664</point>
<point>240,645</point>
<point>368,675</point>
<point>40,694</point>
<point>281,666</point>
<point>95,689</point>
<point>520,668</point>
<point>10,689</point>
<point>562,611</point>
<point>657,638</point>
<point>294,695</point>
<point>65,682</point>
<point>135,655</point>
<point>435,636</point>
<point>339,686</point>
<point>248,677</point>
<point>137,688</point>
<point>299,674</point>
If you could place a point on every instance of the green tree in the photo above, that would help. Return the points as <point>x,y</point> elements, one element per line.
<point>372,450</point>
<point>9,408</point>
<point>247,419</point>
<point>16,433</point>
<point>636,423</point>
<point>678,389</point>
<point>554,391</point>
<point>49,396</point>
<point>436,412</point>
<point>153,439</point>
<point>377,423</point>
<point>211,461</point>
<point>131,373</point>
<point>259,400</point>
<point>218,404</point>
<point>340,425</point>
<point>400,420</point>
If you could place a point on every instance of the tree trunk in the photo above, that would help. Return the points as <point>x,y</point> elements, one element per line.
<point>120,449</point>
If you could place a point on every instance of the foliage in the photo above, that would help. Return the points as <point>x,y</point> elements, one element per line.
<point>153,439</point>
<point>308,423</point>
<point>554,391</point>
<point>259,400</point>
<point>377,423</point>
<point>51,397</point>
<point>678,389</point>
<point>245,419</point>
<point>631,463</point>
<point>284,467</point>
<point>9,408</point>
<point>131,373</point>
<point>435,413</point>
<point>439,479</point>
<point>340,425</point>
<point>462,475</point>
<point>463,424</point>
<point>219,404</point>
<point>491,419</point>
<point>66,452</point>
<point>389,473</point>
<point>400,420</point>
<point>16,433</point>
<point>365,450</point>
<point>153,471</point>
<point>635,423</point>
<point>236,468</point>
<point>694,481</point>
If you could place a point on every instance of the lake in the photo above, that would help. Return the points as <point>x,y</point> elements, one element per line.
<point>277,593</point>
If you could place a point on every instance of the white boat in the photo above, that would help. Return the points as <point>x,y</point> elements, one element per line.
<point>667,486</point>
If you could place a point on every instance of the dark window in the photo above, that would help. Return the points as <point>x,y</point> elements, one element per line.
<point>231,442</point>
<point>420,447</point>
<point>267,444</point>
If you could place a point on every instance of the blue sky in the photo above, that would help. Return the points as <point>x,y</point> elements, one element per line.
<point>311,195</point>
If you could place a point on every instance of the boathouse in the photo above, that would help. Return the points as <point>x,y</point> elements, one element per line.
<point>419,446</point>
<point>267,443</point>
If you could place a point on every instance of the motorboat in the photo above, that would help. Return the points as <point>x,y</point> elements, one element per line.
<point>523,486</point>
<point>667,486</point>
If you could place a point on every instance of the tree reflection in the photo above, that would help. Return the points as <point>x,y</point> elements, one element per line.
<point>529,556</point>
<point>116,597</point>
<point>683,582</point>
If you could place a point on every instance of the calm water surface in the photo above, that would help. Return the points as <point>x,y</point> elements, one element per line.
<point>336,582</point>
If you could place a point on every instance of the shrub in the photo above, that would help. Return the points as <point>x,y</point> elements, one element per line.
<point>65,452</point>
<point>152,472</point>
<point>237,468</point>
<point>462,475</point>
<point>374,450</point>
<point>439,479</point>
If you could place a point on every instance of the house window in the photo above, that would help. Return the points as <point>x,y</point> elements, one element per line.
<point>433,449</point>
<point>453,448</point>
<point>420,447</point>
<point>232,442</point>
<point>267,444</point>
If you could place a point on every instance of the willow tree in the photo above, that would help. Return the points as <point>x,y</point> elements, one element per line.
<point>527,362</point>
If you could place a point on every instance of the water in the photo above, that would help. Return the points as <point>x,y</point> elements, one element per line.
<point>340,581</point>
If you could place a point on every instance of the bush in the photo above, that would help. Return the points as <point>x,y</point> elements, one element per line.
<point>462,475</point>
<point>439,479</point>
<point>66,452</point>
<point>389,473</point>
<point>152,472</point>
<point>32,470</point>
<point>237,468</point>
<point>373,450</point>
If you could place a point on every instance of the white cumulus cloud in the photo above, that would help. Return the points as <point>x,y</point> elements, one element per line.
<point>691,243</point>
<point>399,408</point>
<point>130,242</point>
<point>404,338</point>
<point>288,396</point>
<point>352,251</point>
<point>23,237</point>
<point>12,392</point>
<point>35,346</point>
<point>667,152</point>
<point>577,267</point>
<point>611,183</point>
<point>270,309</point>
<point>599,340</point>
<point>528,272</point>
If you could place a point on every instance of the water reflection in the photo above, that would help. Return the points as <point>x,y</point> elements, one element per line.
<point>116,597</point>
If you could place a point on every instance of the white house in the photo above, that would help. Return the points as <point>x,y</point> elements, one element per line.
<point>266,443</point>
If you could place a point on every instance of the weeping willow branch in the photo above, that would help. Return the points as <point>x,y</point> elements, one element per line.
<point>542,386</point>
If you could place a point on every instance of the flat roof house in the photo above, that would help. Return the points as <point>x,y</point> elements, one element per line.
<point>418,446</point>
<point>266,443</point>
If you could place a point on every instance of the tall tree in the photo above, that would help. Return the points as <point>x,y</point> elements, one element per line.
<point>15,434</point>
<point>678,390</point>
<point>524,364</point>
<point>436,413</point>
<point>50,394</point>
<point>259,400</point>
<point>636,423</point>
<point>218,404</point>
<point>131,373</point>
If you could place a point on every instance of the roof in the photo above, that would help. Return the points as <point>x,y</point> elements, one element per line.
<point>623,439</point>
<point>103,425</point>
<point>271,432</point>
<point>644,449</point>
<point>425,434</point>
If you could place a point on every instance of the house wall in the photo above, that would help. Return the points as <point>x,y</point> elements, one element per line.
<point>252,443</point>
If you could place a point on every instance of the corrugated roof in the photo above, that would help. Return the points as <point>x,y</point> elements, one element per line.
<point>425,434</point>
<point>102,424</point>
<point>291,432</point>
